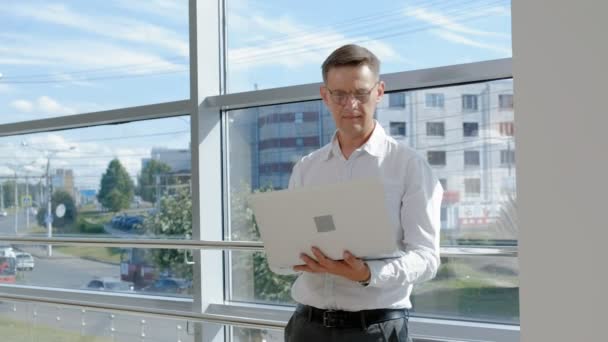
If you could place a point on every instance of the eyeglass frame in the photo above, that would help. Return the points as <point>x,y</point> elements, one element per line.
<point>365,95</point>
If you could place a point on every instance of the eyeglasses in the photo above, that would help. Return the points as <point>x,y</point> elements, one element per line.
<point>340,97</point>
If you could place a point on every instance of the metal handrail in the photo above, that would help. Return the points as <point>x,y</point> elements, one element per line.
<point>447,251</point>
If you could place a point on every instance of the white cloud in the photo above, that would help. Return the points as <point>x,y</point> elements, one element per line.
<point>449,29</point>
<point>108,59</point>
<point>303,45</point>
<point>43,105</point>
<point>456,38</point>
<point>176,10</point>
<point>5,88</point>
<point>49,106</point>
<point>23,106</point>
<point>121,29</point>
<point>449,24</point>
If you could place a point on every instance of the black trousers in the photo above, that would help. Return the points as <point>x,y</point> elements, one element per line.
<point>305,326</point>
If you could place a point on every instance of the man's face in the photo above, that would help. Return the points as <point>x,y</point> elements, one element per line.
<point>345,94</point>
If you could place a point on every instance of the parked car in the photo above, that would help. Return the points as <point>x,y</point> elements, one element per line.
<point>3,213</point>
<point>110,284</point>
<point>170,285</point>
<point>25,261</point>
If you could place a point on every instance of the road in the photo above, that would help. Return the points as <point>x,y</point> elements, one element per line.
<point>69,272</point>
<point>7,223</point>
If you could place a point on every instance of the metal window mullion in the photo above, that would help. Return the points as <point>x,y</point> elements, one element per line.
<point>205,22</point>
<point>400,81</point>
<point>121,115</point>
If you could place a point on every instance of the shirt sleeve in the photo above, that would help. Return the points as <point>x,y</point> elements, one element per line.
<point>420,221</point>
<point>294,182</point>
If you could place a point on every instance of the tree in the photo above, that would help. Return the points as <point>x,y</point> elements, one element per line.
<point>268,286</point>
<point>59,197</point>
<point>116,189</point>
<point>146,182</point>
<point>174,218</point>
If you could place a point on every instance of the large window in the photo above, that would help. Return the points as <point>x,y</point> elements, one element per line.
<point>68,57</point>
<point>125,165</point>
<point>272,45</point>
<point>465,285</point>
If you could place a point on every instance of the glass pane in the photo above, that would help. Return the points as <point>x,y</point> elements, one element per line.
<point>253,281</point>
<point>70,57</point>
<point>476,288</point>
<point>479,204</point>
<point>271,44</point>
<point>122,180</point>
<point>25,322</point>
<point>256,335</point>
<point>156,272</point>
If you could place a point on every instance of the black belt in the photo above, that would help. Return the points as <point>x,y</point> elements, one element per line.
<point>350,319</point>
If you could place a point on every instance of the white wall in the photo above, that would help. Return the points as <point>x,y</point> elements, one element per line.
<point>561,111</point>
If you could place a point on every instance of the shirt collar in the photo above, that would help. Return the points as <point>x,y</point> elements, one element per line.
<point>375,145</point>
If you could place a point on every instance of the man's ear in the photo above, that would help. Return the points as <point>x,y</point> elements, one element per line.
<point>324,94</point>
<point>380,91</point>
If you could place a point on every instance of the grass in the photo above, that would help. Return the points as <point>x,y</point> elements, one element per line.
<point>15,331</point>
<point>103,254</point>
<point>460,290</point>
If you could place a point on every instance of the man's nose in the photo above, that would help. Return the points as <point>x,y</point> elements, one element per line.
<point>351,101</point>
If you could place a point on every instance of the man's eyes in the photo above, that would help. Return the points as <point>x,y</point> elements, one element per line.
<point>355,94</point>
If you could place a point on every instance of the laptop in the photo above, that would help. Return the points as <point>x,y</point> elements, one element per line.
<point>345,216</point>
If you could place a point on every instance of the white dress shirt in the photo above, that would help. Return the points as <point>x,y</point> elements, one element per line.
<point>413,197</point>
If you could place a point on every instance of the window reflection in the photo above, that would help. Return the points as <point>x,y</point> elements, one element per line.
<point>464,143</point>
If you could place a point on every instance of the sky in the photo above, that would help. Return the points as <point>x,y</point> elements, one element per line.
<point>65,57</point>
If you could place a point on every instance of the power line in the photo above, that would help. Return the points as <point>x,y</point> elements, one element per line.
<point>136,66</point>
<point>343,26</point>
<point>286,51</point>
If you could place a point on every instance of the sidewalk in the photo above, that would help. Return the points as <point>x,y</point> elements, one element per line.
<point>41,252</point>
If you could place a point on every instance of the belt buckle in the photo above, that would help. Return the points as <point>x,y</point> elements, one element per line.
<point>332,319</point>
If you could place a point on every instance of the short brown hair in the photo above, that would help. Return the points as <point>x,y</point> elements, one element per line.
<point>351,55</point>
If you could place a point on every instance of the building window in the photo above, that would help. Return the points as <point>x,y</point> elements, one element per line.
<point>434,100</point>
<point>469,102</point>
<point>505,101</point>
<point>470,129</point>
<point>435,129</point>
<point>506,128</point>
<point>436,158</point>
<point>471,158</point>
<point>396,100</point>
<point>397,128</point>
<point>472,186</point>
<point>299,118</point>
<point>444,183</point>
<point>507,157</point>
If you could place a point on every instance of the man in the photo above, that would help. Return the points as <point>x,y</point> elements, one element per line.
<point>353,299</point>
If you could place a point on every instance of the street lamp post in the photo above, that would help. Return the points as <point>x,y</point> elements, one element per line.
<point>16,205</point>
<point>49,214</point>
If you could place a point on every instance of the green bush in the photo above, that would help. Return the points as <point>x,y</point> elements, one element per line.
<point>85,227</point>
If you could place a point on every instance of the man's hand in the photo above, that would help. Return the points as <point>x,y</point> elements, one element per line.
<point>351,267</point>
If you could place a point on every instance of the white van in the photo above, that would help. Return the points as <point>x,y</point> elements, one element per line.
<point>25,261</point>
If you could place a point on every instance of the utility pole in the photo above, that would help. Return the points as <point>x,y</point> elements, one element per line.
<point>157,190</point>
<point>16,205</point>
<point>2,196</point>
<point>49,215</point>
<point>27,203</point>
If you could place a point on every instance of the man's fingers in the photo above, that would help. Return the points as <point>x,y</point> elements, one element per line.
<point>312,264</point>
<point>352,261</point>
<point>322,259</point>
